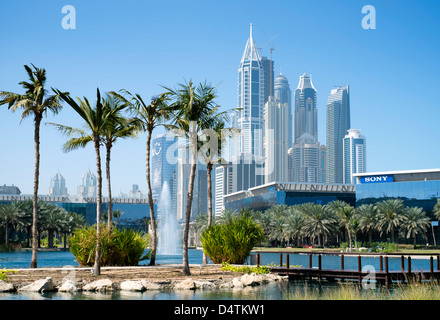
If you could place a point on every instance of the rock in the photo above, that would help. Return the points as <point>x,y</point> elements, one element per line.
<point>68,286</point>
<point>237,283</point>
<point>204,285</point>
<point>6,287</point>
<point>187,284</point>
<point>42,285</point>
<point>131,285</point>
<point>151,285</point>
<point>99,285</point>
<point>253,279</point>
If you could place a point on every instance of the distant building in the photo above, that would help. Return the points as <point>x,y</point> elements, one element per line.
<point>88,186</point>
<point>307,160</point>
<point>223,186</point>
<point>355,155</point>
<point>283,94</point>
<point>338,122</point>
<point>9,190</point>
<point>306,111</point>
<point>135,192</point>
<point>57,186</point>
<point>248,172</point>
<point>276,142</point>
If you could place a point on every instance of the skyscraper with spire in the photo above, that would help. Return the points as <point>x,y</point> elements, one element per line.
<point>250,101</point>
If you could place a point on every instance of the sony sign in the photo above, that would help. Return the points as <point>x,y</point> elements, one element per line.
<point>376,179</point>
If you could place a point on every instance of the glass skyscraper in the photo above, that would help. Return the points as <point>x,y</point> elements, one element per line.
<point>338,122</point>
<point>283,94</point>
<point>57,186</point>
<point>355,155</point>
<point>250,101</point>
<point>306,112</point>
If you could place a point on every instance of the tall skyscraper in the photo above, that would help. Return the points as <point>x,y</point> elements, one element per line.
<point>88,186</point>
<point>276,140</point>
<point>223,186</point>
<point>306,111</point>
<point>338,122</point>
<point>307,160</point>
<point>164,165</point>
<point>250,100</point>
<point>283,94</point>
<point>355,155</point>
<point>268,67</point>
<point>57,186</point>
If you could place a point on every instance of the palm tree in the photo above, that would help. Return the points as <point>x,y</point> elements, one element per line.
<point>415,222</point>
<point>35,102</point>
<point>96,119</point>
<point>345,214</point>
<point>436,209</point>
<point>295,224</point>
<point>319,221</point>
<point>10,214</point>
<point>194,110</point>
<point>367,214</point>
<point>56,219</point>
<point>389,215</point>
<point>148,116</point>
<point>212,152</point>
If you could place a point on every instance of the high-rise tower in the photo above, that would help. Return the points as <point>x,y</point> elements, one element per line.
<point>306,112</point>
<point>250,100</point>
<point>57,186</point>
<point>283,94</point>
<point>338,122</point>
<point>355,155</point>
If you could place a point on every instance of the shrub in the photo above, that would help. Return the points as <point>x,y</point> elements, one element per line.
<point>124,247</point>
<point>245,269</point>
<point>231,242</point>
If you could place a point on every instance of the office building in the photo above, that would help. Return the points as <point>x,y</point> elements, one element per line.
<point>88,186</point>
<point>9,190</point>
<point>355,155</point>
<point>276,140</point>
<point>283,94</point>
<point>338,122</point>
<point>57,186</point>
<point>223,186</point>
<point>250,100</point>
<point>307,160</point>
<point>306,111</point>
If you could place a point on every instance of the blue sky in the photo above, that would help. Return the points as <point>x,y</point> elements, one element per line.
<point>393,71</point>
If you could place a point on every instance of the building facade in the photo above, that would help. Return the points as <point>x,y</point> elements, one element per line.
<point>307,160</point>
<point>276,140</point>
<point>355,155</point>
<point>283,94</point>
<point>337,124</point>
<point>57,186</point>
<point>250,100</point>
<point>306,111</point>
<point>88,186</point>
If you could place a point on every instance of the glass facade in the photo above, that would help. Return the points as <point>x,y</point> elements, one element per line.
<point>422,194</point>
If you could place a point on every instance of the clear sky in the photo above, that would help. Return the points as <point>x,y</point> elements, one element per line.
<point>393,71</point>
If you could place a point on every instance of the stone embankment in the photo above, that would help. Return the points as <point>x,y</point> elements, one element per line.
<point>74,284</point>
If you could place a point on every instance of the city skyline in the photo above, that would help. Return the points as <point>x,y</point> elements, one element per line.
<point>391,71</point>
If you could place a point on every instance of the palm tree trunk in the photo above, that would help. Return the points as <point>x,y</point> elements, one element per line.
<point>186,270</point>
<point>6,235</point>
<point>209,178</point>
<point>109,187</point>
<point>150,203</point>
<point>370,236</point>
<point>38,118</point>
<point>97,266</point>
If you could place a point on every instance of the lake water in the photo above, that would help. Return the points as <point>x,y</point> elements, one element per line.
<point>273,291</point>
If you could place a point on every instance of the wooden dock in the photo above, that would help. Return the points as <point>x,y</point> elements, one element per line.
<point>382,276</point>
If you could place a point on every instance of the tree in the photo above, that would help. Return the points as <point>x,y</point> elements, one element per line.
<point>10,215</point>
<point>318,220</point>
<point>345,214</point>
<point>367,214</point>
<point>295,224</point>
<point>148,116</point>
<point>436,210</point>
<point>96,119</point>
<point>389,215</point>
<point>194,108</point>
<point>35,102</point>
<point>414,222</point>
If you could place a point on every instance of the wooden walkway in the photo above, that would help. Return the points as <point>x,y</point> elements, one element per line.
<point>383,275</point>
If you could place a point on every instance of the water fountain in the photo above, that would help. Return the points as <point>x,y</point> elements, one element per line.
<point>169,231</point>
